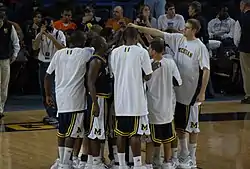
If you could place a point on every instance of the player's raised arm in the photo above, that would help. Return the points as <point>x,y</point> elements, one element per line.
<point>149,31</point>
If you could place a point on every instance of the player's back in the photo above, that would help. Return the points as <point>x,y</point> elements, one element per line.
<point>160,92</point>
<point>127,63</point>
<point>71,66</point>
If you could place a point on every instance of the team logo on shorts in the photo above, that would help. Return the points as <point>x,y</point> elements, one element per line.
<point>97,131</point>
<point>144,127</point>
<point>194,125</point>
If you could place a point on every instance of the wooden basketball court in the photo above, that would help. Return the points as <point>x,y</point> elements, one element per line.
<point>224,142</point>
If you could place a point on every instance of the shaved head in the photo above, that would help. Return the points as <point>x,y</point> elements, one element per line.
<point>118,12</point>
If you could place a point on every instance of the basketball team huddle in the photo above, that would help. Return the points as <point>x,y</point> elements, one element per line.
<point>128,96</point>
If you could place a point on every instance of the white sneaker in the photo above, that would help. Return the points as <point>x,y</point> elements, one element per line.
<point>194,165</point>
<point>123,167</point>
<point>167,166</point>
<point>99,166</point>
<point>175,162</point>
<point>55,165</point>
<point>149,166</point>
<point>141,167</point>
<point>81,165</point>
<point>112,165</point>
<point>65,166</point>
<point>76,162</point>
<point>88,166</point>
<point>185,162</point>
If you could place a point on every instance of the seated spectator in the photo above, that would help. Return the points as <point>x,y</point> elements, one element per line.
<point>118,19</point>
<point>221,31</point>
<point>89,19</point>
<point>171,19</point>
<point>65,23</point>
<point>221,27</point>
<point>145,18</point>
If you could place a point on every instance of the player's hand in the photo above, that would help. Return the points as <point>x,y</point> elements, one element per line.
<point>132,25</point>
<point>155,65</point>
<point>50,101</point>
<point>12,59</point>
<point>96,110</point>
<point>43,29</point>
<point>201,97</point>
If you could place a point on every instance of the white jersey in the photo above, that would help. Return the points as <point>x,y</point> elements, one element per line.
<point>127,64</point>
<point>190,58</point>
<point>70,67</point>
<point>160,92</point>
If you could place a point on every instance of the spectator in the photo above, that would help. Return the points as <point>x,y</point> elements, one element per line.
<point>156,6</point>
<point>65,23</point>
<point>8,36</point>
<point>89,19</point>
<point>221,27</point>
<point>118,19</point>
<point>171,19</point>
<point>145,18</point>
<point>49,40</point>
<point>242,40</point>
<point>220,30</point>
<point>31,31</point>
<point>194,11</point>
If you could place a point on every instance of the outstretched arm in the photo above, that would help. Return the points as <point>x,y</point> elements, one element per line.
<point>149,31</point>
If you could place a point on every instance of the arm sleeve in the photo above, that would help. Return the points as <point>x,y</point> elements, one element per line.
<point>15,42</point>
<point>237,33</point>
<point>203,57</point>
<point>52,65</point>
<point>146,63</point>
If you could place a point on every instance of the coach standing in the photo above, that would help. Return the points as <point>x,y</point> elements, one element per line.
<point>49,40</point>
<point>9,48</point>
<point>242,40</point>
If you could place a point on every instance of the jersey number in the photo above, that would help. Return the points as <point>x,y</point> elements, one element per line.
<point>126,49</point>
<point>69,52</point>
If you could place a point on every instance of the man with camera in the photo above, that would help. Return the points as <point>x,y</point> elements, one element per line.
<point>49,40</point>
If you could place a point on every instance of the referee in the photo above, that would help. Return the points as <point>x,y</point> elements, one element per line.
<point>242,40</point>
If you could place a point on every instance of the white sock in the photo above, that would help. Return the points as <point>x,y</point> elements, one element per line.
<point>96,160</point>
<point>137,161</point>
<point>67,154</point>
<point>90,159</point>
<point>115,151</point>
<point>192,150</point>
<point>130,155</point>
<point>102,150</point>
<point>156,157</point>
<point>61,153</point>
<point>174,152</point>
<point>121,159</point>
<point>184,147</point>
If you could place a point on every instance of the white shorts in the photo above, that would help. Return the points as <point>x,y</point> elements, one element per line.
<point>97,124</point>
<point>187,117</point>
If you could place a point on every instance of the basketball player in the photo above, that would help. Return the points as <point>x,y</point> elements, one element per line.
<point>127,63</point>
<point>160,104</point>
<point>192,60</point>
<point>69,65</point>
<point>99,87</point>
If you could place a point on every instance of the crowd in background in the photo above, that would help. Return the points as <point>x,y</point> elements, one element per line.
<point>217,34</point>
